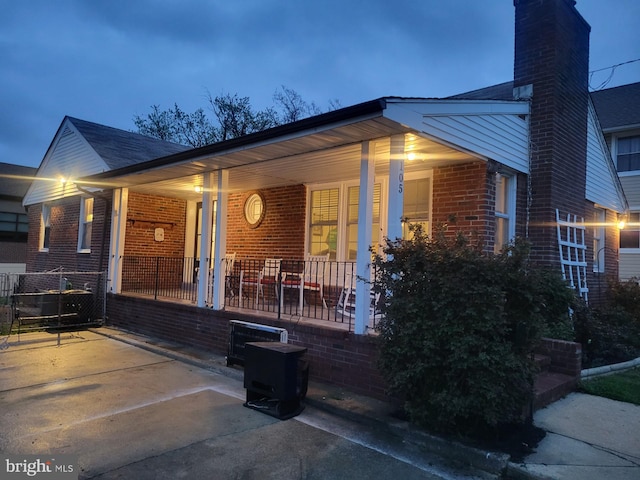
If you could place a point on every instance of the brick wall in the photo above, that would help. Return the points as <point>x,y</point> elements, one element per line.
<point>148,212</point>
<point>335,356</point>
<point>566,357</point>
<point>464,199</point>
<point>552,53</point>
<point>145,214</point>
<point>65,218</point>
<point>281,233</point>
<point>598,282</point>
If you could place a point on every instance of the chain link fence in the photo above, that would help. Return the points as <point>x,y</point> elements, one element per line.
<point>51,300</point>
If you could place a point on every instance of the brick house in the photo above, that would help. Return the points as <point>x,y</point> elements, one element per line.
<point>496,164</point>
<point>618,111</point>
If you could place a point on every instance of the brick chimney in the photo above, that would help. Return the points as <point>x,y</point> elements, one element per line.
<point>552,55</point>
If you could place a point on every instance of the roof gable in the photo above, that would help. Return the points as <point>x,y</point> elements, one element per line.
<point>82,148</point>
<point>120,148</point>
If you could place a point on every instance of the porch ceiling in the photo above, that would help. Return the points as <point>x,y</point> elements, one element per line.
<point>325,156</point>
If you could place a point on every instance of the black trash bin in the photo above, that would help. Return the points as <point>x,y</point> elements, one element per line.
<point>276,378</point>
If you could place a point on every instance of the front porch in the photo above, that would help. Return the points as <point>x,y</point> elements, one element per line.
<point>336,185</point>
<point>313,292</point>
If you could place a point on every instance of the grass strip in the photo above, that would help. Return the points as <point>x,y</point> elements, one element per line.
<point>622,386</point>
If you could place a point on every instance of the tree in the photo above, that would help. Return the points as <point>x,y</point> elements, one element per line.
<point>175,125</point>
<point>234,117</point>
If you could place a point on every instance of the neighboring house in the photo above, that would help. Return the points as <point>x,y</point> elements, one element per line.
<point>619,114</point>
<point>14,224</point>
<point>494,166</point>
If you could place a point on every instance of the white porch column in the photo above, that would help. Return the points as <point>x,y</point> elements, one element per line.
<point>205,239</point>
<point>221,241</point>
<point>119,208</point>
<point>365,219</point>
<point>396,187</point>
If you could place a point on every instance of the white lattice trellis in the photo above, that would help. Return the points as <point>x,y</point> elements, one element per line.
<point>573,252</point>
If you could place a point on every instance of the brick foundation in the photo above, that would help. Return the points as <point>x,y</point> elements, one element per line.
<point>335,356</point>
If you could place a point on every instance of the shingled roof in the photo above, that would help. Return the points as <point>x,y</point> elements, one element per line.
<point>12,187</point>
<point>618,107</point>
<point>502,91</point>
<point>120,148</point>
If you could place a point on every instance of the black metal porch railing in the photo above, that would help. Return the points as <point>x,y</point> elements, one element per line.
<point>314,288</point>
<point>168,277</point>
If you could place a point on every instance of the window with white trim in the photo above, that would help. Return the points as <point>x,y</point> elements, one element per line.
<point>416,207</point>
<point>628,153</point>
<point>86,224</point>
<point>353,197</point>
<point>45,227</point>
<point>599,220</point>
<point>323,222</point>
<point>333,221</point>
<point>505,210</point>
<point>630,235</point>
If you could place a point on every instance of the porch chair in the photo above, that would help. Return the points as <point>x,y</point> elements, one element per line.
<point>311,279</point>
<point>229,262</point>
<point>269,275</point>
<point>346,306</point>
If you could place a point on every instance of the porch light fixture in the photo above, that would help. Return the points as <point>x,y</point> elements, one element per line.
<point>198,189</point>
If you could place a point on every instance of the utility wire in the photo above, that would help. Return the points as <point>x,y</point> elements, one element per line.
<point>608,79</point>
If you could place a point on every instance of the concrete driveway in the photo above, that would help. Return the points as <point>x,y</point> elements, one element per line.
<point>125,412</point>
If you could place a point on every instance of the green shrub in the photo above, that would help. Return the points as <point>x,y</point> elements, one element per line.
<point>459,327</point>
<point>625,295</point>
<point>609,334</point>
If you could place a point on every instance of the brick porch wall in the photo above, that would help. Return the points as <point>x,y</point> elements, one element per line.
<point>281,233</point>
<point>335,356</point>
<point>566,357</point>
<point>145,214</point>
<point>464,200</point>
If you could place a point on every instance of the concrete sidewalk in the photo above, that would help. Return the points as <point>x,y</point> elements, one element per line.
<point>587,437</point>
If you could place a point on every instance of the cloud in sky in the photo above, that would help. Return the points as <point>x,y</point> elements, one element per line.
<point>106,61</point>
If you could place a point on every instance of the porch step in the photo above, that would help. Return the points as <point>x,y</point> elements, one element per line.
<point>543,362</point>
<point>551,386</point>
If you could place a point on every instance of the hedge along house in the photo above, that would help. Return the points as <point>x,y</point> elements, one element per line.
<point>332,186</point>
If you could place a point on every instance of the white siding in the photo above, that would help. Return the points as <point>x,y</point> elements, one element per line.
<point>629,265</point>
<point>631,186</point>
<point>493,130</point>
<point>602,179</point>
<point>70,156</point>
